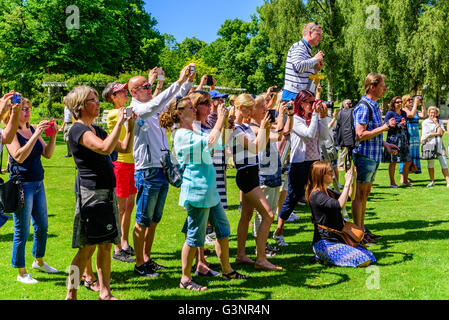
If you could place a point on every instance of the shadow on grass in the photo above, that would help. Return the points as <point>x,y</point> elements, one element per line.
<point>9,237</point>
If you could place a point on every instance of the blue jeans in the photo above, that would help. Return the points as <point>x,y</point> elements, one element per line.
<point>196,224</point>
<point>36,209</point>
<point>152,189</point>
<point>297,180</point>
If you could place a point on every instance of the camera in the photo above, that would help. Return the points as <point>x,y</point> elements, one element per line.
<point>16,99</point>
<point>329,104</point>
<point>290,106</point>
<point>128,112</point>
<point>419,97</point>
<point>210,80</point>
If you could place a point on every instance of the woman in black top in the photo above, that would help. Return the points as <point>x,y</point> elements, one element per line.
<point>326,208</point>
<point>91,148</point>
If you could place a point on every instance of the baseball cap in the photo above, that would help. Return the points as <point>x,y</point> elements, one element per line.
<point>119,87</point>
<point>214,94</point>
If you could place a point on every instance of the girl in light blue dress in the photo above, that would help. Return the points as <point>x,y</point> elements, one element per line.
<point>199,193</point>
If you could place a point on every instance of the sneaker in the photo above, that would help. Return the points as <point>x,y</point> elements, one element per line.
<point>393,186</point>
<point>130,251</point>
<point>272,248</point>
<point>407,185</point>
<point>293,217</point>
<point>154,266</point>
<point>431,184</point>
<point>123,256</point>
<point>209,240</point>
<point>280,240</point>
<point>300,203</point>
<point>27,279</point>
<point>45,268</point>
<point>145,271</point>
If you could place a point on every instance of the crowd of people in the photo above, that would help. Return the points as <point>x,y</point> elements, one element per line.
<point>276,142</point>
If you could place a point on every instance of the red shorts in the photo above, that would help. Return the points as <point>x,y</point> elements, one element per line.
<point>124,175</point>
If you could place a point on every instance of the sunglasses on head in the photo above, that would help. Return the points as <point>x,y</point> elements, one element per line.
<point>205,102</point>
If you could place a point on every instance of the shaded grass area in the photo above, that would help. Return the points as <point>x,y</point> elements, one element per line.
<point>411,257</point>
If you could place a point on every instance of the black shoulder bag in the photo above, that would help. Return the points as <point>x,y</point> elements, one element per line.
<point>98,219</point>
<point>12,197</point>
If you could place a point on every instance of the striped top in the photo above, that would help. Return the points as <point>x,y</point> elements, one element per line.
<point>300,64</point>
<point>243,158</point>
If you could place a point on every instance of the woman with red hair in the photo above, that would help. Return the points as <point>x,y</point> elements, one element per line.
<point>309,128</point>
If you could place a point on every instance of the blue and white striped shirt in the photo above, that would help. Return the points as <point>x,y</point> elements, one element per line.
<point>371,148</point>
<point>300,64</point>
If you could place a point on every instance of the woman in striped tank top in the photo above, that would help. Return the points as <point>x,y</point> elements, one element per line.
<point>245,147</point>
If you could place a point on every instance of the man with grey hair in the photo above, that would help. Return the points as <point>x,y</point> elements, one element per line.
<point>300,63</point>
<point>343,150</point>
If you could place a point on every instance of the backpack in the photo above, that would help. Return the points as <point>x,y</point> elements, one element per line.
<point>346,136</point>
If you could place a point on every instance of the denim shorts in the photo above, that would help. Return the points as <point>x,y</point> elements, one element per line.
<point>196,224</point>
<point>152,189</point>
<point>366,168</point>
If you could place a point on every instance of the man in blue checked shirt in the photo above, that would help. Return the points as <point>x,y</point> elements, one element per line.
<point>367,156</point>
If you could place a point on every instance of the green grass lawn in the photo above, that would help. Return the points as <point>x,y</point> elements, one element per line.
<point>411,257</point>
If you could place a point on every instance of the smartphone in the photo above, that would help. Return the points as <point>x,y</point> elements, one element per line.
<point>160,76</point>
<point>210,80</point>
<point>192,70</point>
<point>128,112</point>
<point>275,89</point>
<point>272,114</point>
<point>16,99</point>
<point>49,132</point>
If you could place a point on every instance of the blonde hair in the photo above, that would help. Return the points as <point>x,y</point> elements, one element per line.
<point>169,117</point>
<point>433,108</point>
<point>244,100</point>
<point>260,98</point>
<point>311,26</point>
<point>404,99</point>
<point>373,79</point>
<point>7,115</point>
<point>76,99</point>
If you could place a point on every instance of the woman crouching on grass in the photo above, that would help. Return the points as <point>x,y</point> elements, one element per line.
<point>326,206</point>
<point>199,189</point>
<point>91,147</point>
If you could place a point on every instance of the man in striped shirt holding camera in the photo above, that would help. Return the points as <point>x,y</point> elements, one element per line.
<point>300,63</point>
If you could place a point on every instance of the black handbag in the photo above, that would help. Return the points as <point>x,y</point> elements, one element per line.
<point>98,220</point>
<point>12,197</point>
<point>173,171</point>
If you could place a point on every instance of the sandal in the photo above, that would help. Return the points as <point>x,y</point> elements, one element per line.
<point>89,285</point>
<point>234,275</point>
<point>191,285</point>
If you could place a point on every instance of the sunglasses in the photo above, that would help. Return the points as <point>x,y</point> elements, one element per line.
<point>146,87</point>
<point>24,109</point>
<point>205,102</point>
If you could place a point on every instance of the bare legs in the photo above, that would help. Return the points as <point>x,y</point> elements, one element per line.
<point>103,268</point>
<point>359,203</point>
<point>254,199</point>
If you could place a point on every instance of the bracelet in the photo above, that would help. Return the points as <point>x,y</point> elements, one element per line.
<point>290,114</point>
